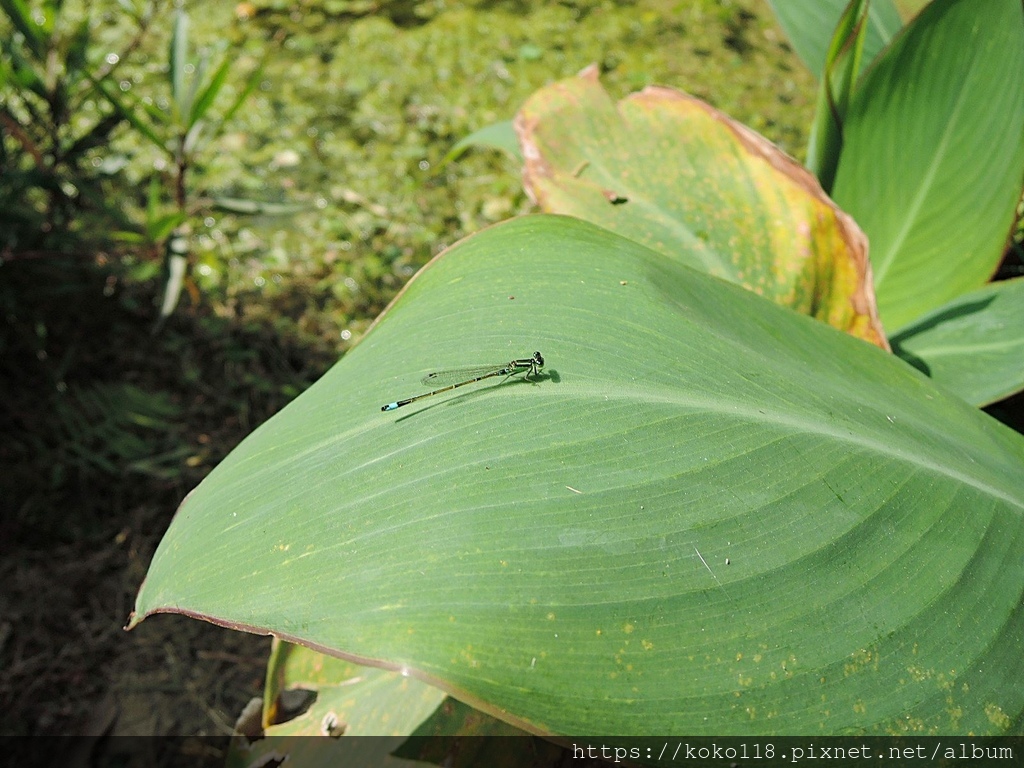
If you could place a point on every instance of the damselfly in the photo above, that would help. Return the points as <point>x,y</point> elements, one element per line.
<point>462,376</point>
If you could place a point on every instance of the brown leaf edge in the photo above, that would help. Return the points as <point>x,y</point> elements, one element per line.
<point>867,324</point>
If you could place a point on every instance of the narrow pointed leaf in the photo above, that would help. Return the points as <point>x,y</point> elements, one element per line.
<point>24,74</point>
<point>834,91</point>
<point>251,84</point>
<point>256,207</point>
<point>208,94</point>
<point>96,136</point>
<point>708,515</point>
<point>198,77</point>
<point>177,61</point>
<point>161,226</point>
<point>974,345</point>
<point>76,60</point>
<point>933,154</point>
<point>132,112</point>
<point>669,171</point>
<point>21,17</point>
<point>193,137</point>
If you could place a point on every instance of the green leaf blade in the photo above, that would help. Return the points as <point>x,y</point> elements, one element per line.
<point>974,345</point>
<point>710,515</point>
<point>932,173</point>
<point>177,57</point>
<point>840,75</point>
<point>36,35</point>
<point>132,111</point>
<point>500,136</point>
<point>208,94</point>
<point>361,701</point>
<point>251,83</point>
<point>809,25</point>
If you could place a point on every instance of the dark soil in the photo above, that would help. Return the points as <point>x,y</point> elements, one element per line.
<point>106,427</point>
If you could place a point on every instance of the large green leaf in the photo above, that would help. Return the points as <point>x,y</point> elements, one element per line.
<point>670,171</point>
<point>933,154</point>
<point>974,345</point>
<point>809,25</point>
<point>710,515</point>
